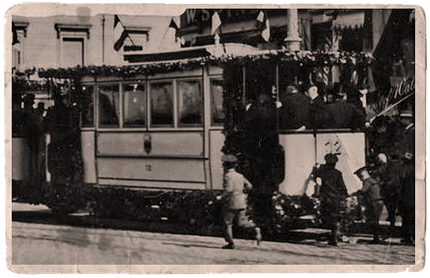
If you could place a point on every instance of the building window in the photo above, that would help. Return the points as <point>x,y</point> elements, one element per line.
<point>134,99</point>
<point>190,103</point>
<point>19,33</point>
<point>162,104</point>
<point>72,52</point>
<point>73,42</point>
<point>217,89</point>
<point>108,105</point>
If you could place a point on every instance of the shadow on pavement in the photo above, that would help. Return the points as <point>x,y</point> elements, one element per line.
<point>298,236</point>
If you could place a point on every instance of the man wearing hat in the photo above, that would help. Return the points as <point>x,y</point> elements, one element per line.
<point>386,173</point>
<point>234,200</point>
<point>332,195</point>
<point>407,197</point>
<point>406,141</point>
<point>372,200</point>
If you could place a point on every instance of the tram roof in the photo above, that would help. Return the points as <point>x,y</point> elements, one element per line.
<point>162,62</point>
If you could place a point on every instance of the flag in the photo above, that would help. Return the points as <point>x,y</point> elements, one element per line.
<point>177,37</point>
<point>173,25</point>
<point>262,18</point>
<point>216,22</point>
<point>120,34</point>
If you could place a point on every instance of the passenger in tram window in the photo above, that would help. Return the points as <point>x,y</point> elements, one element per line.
<point>344,114</point>
<point>294,113</point>
<point>318,114</point>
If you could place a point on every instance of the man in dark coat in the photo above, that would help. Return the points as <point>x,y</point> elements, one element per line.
<point>295,109</point>
<point>261,149</point>
<point>345,114</point>
<point>407,199</point>
<point>332,194</point>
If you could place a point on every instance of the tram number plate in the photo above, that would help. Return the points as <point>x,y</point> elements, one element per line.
<point>148,168</point>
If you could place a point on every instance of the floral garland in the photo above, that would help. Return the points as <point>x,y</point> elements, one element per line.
<point>306,57</point>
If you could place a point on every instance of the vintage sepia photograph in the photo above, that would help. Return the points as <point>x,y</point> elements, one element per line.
<point>194,139</point>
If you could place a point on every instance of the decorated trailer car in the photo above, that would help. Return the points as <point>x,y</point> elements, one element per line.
<point>164,121</point>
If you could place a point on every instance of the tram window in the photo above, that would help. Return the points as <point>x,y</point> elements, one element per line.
<point>134,99</point>
<point>190,103</point>
<point>161,104</point>
<point>108,105</point>
<point>217,112</point>
<point>88,107</point>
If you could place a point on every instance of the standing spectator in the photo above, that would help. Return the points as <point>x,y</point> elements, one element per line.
<point>234,198</point>
<point>386,172</point>
<point>332,194</point>
<point>407,199</point>
<point>372,200</point>
<point>406,140</point>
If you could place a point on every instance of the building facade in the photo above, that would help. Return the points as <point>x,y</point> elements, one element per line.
<point>69,41</point>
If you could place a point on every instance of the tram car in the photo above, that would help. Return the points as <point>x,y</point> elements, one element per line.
<point>164,120</point>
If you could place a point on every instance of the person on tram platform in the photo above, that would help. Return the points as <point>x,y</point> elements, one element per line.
<point>294,112</point>
<point>405,141</point>
<point>346,114</point>
<point>318,113</point>
<point>261,149</point>
<point>332,194</point>
<point>64,152</point>
<point>33,131</point>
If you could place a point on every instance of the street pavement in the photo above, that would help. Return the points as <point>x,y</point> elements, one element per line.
<point>60,244</point>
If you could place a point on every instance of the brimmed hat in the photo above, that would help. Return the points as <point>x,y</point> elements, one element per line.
<point>362,173</point>
<point>406,114</point>
<point>331,158</point>
<point>382,157</point>
<point>229,158</point>
<point>408,156</point>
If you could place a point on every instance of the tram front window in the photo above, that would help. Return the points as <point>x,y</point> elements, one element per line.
<point>134,98</point>
<point>217,90</point>
<point>88,107</point>
<point>108,105</point>
<point>162,104</point>
<point>190,103</point>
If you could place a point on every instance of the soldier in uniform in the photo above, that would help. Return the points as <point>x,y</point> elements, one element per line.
<point>407,199</point>
<point>234,198</point>
<point>332,194</point>
<point>372,200</point>
<point>386,172</point>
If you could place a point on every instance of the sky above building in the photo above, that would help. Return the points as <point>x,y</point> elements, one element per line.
<point>73,9</point>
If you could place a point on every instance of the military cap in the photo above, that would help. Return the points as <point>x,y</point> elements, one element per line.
<point>229,158</point>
